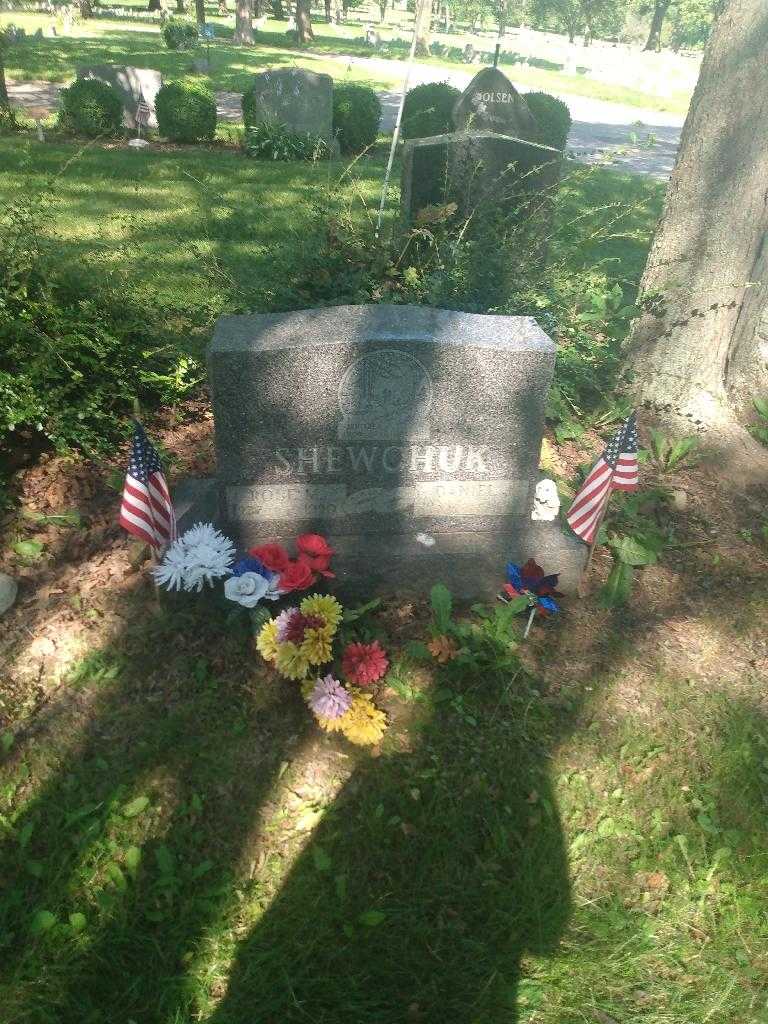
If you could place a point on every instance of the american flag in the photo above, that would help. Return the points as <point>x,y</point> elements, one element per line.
<point>615,470</point>
<point>146,510</point>
<point>143,113</point>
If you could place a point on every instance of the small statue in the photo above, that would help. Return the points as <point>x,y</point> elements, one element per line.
<point>546,501</point>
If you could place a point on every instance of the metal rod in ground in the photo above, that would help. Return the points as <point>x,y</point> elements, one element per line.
<point>582,587</point>
<point>530,621</point>
<point>396,134</point>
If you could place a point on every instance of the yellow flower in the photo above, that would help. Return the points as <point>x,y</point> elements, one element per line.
<point>290,661</point>
<point>331,724</point>
<point>364,723</point>
<point>316,646</point>
<point>307,686</point>
<point>266,641</point>
<point>324,605</point>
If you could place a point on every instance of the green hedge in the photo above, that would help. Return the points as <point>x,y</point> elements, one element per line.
<point>552,116</point>
<point>180,34</point>
<point>427,110</point>
<point>356,117</point>
<point>90,107</point>
<point>186,112</point>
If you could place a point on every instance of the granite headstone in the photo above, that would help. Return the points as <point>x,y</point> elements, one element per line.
<point>409,436</point>
<point>133,84</point>
<point>301,100</point>
<point>491,103</point>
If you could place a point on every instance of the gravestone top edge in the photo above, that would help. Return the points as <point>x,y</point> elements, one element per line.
<point>354,325</point>
<point>269,73</point>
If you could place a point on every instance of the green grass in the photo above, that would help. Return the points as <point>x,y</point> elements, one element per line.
<point>139,43</point>
<point>515,854</point>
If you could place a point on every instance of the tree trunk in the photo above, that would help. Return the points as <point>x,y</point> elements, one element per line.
<point>422,26</point>
<point>277,10</point>
<point>699,349</point>
<point>181,7</point>
<point>6,110</point>
<point>256,8</point>
<point>304,22</point>
<point>154,5</point>
<point>200,11</point>
<point>243,24</point>
<point>86,11</point>
<point>446,17</point>
<point>660,9</point>
<point>328,12</point>
<point>382,9</point>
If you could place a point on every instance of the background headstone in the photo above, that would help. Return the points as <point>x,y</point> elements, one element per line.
<point>491,103</point>
<point>132,84</point>
<point>409,436</point>
<point>302,100</point>
<point>9,588</point>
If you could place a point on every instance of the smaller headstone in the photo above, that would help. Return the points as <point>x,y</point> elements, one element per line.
<point>491,103</point>
<point>469,53</point>
<point>9,588</point>
<point>135,85</point>
<point>371,36</point>
<point>301,100</point>
<point>201,65</point>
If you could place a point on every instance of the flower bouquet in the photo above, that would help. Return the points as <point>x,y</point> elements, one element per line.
<point>299,643</point>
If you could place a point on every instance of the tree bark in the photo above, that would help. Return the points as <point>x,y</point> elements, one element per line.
<point>660,9</point>
<point>277,10</point>
<point>699,349</point>
<point>200,11</point>
<point>154,5</point>
<point>304,22</point>
<point>86,11</point>
<point>6,110</point>
<point>328,12</point>
<point>422,26</point>
<point>243,24</point>
<point>181,7</point>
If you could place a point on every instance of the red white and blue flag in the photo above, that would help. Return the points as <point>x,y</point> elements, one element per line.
<point>146,510</point>
<point>615,470</point>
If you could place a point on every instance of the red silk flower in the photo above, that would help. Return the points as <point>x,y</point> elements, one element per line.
<point>272,556</point>
<point>316,552</point>
<point>363,664</point>
<point>296,576</point>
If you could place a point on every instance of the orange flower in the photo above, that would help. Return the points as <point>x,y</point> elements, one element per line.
<point>443,649</point>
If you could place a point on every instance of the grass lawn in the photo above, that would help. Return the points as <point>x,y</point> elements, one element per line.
<point>138,42</point>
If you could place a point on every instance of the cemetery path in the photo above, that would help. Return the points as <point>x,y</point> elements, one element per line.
<point>627,138</point>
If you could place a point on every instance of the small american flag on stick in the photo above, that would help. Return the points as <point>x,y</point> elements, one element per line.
<point>143,113</point>
<point>615,470</point>
<point>146,510</point>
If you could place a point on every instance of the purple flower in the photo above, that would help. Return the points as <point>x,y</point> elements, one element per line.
<point>329,699</point>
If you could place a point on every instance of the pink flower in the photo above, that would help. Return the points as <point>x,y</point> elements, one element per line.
<point>363,664</point>
<point>329,699</point>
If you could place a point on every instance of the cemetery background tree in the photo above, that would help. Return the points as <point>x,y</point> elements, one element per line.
<point>422,26</point>
<point>277,10</point>
<point>699,349</point>
<point>200,11</point>
<point>659,13</point>
<point>560,15</point>
<point>304,22</point>
<point>243,23</point>
<point>7,118</point>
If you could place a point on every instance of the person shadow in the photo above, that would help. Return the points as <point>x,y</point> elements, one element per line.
<point>435,873</point>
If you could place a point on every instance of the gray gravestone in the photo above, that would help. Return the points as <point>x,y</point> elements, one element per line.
<point>481,172</point>
<point>133,84</point>
<point>491,103</point>
<point>302,100</point>
<point>409,436</point>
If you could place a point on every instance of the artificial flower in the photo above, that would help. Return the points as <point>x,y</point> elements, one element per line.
<point>298,624</point>
<point>443,648</point>
<point>266,641</point>
<point>316,646</point>
<point>325,606</point>
<point>529,581</point>
<point>363,724</point>
<point>315,552</point>
<point>291,661</point>
<point>329,699</point>
<point>273,556</point>
<point>364,663</point>
<point>200,556</point>
<point>283,621</point>
<point>297,576</point>
<point>330,724</point>
<point>251,564</point>
<point>246,589</point>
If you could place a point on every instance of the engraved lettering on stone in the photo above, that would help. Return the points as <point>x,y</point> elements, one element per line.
<point>264,502</point>
<point>373,460</point>
<point>385,396</point>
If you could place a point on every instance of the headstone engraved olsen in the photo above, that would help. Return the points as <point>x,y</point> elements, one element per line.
<point>301,100</point>
<point>409,436</point>
<point>135,85</point>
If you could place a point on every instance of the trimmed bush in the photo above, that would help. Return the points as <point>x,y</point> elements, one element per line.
<point>180,34</point>
<point>186,112</point>
<point>427,110</point>
<point>90,107</point>
<point>356,117</point>
<point>552,116</point>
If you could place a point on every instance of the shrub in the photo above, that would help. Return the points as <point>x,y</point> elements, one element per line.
<point>186,112</point>
<point>356,117</point>
<point>180,34</point>
<point>74,353</point>
<point>271,140</point>
<point>428,110</point>
<point>90,107</point>
<point>552,116</point>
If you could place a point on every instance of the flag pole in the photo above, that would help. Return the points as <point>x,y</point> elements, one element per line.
<point>582,587</point>
<point>420,4</point>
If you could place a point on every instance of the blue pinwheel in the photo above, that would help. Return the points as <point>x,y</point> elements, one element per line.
<point>530,582</point>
